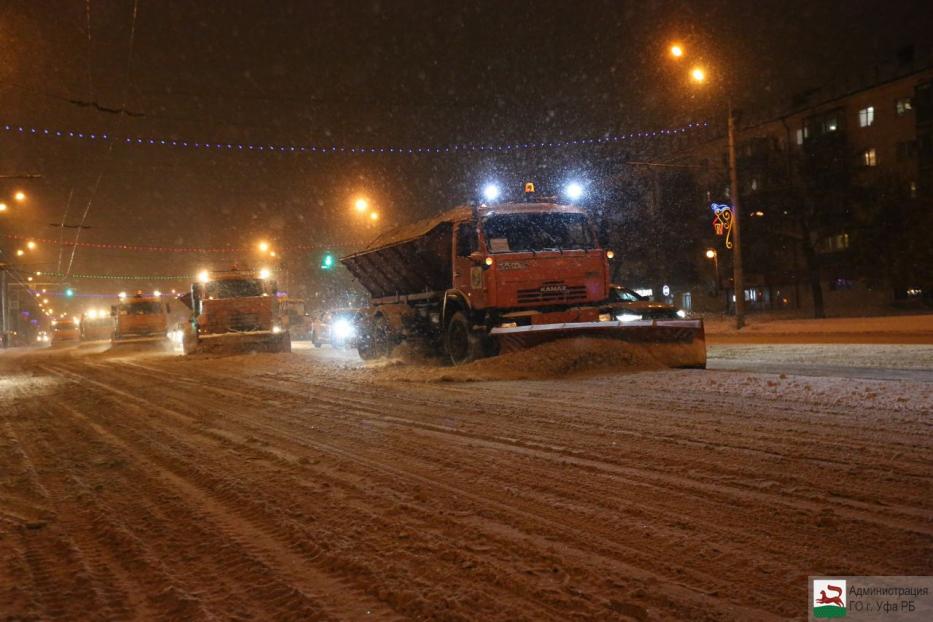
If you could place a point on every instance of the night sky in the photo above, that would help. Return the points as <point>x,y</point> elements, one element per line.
<point>367,73</point>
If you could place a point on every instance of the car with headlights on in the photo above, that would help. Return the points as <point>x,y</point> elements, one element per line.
<point>337,328</point>
<point>629,306</point>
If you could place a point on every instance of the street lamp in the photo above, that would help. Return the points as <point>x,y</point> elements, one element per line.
<point>31,245</point>
<point>20,196</point>
<point>263,247</point>
<point>361,205</point>
<point>374,216</point>
<point>698,75</point>
<point>2,207</point>
<point>677,51</point>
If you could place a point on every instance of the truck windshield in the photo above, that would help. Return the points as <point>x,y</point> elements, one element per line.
<point>140,308</point>
<point>510,233</point>
<point>241,288</point>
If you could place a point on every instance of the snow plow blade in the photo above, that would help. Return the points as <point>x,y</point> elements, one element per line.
<point>141,343</point>
<point>675,343</point>
<point>239,343</point>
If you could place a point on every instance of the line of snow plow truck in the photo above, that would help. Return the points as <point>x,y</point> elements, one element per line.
<point>482,280</point>
<point>235,311</point>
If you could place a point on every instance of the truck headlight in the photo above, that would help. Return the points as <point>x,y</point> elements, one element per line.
<point>343,329</point>
<point>681,313</point>
<point>628,317</point>
<point>276,329</point>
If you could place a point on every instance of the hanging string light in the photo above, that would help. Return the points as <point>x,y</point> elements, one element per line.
<point>351,149</point>
<point>172,249</point>
<point>124,277</point>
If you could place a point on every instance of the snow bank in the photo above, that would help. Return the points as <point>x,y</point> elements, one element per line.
<point>558,359</point>
<point>918,326</point>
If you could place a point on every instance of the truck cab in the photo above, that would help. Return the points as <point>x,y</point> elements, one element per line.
<point>64,332</point>
<point>529,263</point>
<point>238,307</point>
<point>141,316</point>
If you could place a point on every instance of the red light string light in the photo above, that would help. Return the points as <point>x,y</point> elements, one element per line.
<point>175,249</point>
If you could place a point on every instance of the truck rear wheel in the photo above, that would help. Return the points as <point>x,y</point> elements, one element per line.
<point>376,342</point>
<point>463,345</point>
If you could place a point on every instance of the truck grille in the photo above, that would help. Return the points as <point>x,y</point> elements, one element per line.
<point>570,293</point>
<point>244,321</point>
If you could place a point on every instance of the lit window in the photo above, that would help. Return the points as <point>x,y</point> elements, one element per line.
<point>866,116</point>
<point>869,157</point>
<point>800,136</point>
<point>903,105</point>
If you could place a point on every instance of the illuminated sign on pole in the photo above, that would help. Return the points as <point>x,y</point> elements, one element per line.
<point>722,221</point>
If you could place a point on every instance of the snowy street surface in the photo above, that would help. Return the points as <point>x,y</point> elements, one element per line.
<point>309,486</point>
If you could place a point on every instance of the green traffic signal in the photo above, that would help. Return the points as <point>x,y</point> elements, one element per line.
<point>69,292</point>
<point>327,262</point>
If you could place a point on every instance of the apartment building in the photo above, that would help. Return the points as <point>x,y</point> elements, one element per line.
<point>838,189</point>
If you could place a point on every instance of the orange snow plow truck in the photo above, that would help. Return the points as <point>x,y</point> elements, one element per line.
<point>235,311</point>
<point>140,319</point>
<point>482,280</point>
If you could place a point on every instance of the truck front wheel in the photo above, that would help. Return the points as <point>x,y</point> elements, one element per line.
<point>463,345</point>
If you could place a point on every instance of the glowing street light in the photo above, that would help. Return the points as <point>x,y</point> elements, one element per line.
<point>20,252</point>
<point>263,247</point>
<point>361,204</point>
<point>677,51</point>
<point>2,207</point>
<point>374,216</point>
<point>31,245</point>
<point>264,273</point>
<point>698,75</point>
<point>20,196</point>
<point>491,192</point>
<point>710,254</point>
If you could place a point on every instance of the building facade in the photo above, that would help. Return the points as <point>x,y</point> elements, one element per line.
<point>836,196</point>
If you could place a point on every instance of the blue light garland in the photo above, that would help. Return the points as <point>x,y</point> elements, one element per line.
<point>320,149</point>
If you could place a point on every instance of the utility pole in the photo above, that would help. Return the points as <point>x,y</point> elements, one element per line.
<point>738,280</point>
<point>3,303</point>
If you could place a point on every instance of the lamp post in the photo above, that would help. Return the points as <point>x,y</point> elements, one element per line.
<point>698,75</point>
<point>712,254</point>
<point>738,276</point>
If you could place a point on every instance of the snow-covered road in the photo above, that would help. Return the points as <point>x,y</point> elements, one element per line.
<point>310,486</point>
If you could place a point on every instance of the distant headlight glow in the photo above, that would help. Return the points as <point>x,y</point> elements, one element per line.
<point>574,191</point>
<point>343,329</point>
<point>681,313</point>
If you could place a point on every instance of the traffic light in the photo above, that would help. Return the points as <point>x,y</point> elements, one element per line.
<point>327,261</point>
<point>69,293</point>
